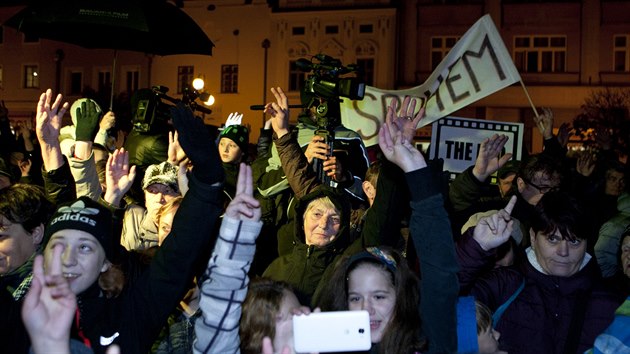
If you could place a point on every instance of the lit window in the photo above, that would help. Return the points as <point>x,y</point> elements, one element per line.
<point>184,77</point>
<point>229,78</point>
<point>540,54</point>
<point>621,53</point>
<point>31,76</point>
<point>440,46</point>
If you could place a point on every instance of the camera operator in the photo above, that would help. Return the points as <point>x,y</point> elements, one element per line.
<point>344,166</point>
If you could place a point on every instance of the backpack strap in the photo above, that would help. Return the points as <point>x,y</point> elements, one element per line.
<point>499,312</point>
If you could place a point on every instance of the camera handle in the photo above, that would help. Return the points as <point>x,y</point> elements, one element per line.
<point>318,164</point>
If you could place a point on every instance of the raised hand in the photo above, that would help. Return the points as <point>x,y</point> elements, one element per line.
<point>488,160</point>
<point>397,147</point>
<point>544,122</point>
<point>198,145</point>
<point>406,121</point>
<point>234,118</point>
<point>108,121</point>
<point>279,112</point>
<point>118,176</point>
<point>49,306</point>
<point>48,118</point>
<point>87,121</point>
<point>317,149</point>
<point>244,206</point>
<point>585,164</point>
<point>494,230</point>
<point>25,167</point>
<point>175,152</point>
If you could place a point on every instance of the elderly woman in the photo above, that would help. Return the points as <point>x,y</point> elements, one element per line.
<point>553,301</point>
<point>321,234</point>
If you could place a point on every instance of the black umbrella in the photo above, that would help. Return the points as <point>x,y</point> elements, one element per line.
<point>149,26</point>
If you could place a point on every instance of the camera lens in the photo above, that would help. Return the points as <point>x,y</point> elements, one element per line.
<point>361,330</point>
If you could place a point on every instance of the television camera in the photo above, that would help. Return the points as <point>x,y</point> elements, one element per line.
<point>153,106</point>
<point>321,96</point>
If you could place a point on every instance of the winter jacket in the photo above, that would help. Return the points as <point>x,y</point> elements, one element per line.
<point>433,241</point>
<point>139,232</point>
<point>226,287</point>
<point>274,180</point>
<point>13,288</point>
<point>609,240</point>
<point>59,187</point>
<point>86,177</point>
<point>305,266</point>
<point>134,319</point>
<point>540,317</point>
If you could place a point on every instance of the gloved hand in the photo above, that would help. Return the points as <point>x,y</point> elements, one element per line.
<point>87,121</point>
<point>234,118</point>
<point>198,145</point>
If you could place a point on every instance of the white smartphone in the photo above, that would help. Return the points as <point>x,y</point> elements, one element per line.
<point>336,331</point>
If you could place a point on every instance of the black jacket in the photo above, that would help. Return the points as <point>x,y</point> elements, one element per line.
<point>134,319</point>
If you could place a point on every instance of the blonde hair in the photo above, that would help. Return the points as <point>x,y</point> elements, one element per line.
<point>324,202</point>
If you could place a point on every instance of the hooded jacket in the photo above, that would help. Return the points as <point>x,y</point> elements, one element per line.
<point>305,266</point>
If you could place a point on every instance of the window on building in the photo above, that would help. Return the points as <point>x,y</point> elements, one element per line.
<point>540,54</point>
<point>1,34</point>
<point>1,85</point>
<point>184,77</point>
<point>76,82</point>
<point>621,55</point>
<point>366,68</point>
<point>132,79</point>
<point>440,46</point>
<point>29,38</point>
<point>31,76</point>
<point>298,31</point>
<point>229,78</point>
<point>366,28</point>
<point>332,29</point>
<point>104,81</point>
<point>297,77</point>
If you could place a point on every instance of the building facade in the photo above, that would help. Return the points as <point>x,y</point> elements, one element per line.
<point>564,50</point>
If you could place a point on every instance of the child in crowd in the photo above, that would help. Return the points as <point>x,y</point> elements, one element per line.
<point>474,328</point>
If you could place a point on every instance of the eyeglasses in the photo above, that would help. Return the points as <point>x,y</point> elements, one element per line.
<point>541,189</point>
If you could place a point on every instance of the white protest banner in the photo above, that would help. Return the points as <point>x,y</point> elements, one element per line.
<point>457,140</point>
<point>478,65</point>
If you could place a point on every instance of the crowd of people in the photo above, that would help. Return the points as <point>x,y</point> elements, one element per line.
<point>111,247</point>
